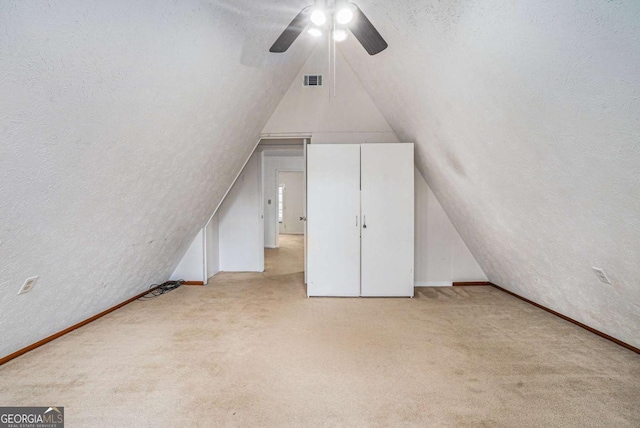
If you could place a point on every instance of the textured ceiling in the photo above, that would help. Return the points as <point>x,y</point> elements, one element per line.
<point>122,124</point>
<point>526,117</point>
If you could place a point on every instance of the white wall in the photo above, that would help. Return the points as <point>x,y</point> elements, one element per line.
<point>525,117</point>
<point>240,222</point>
<point>212,242</point>
<point>122,124</point>
<point>441,256</point>
<point>272,162</point>
<point>191,267</point>
<point>349,116</point>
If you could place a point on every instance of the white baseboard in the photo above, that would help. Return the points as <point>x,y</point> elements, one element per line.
<point>433,284</point>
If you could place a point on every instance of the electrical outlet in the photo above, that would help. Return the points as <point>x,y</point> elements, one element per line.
<point>28,285</point>
<point>601,275</point>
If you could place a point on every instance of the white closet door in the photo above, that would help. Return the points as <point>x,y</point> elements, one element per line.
<point>333,223</point>
<point>387,210</point>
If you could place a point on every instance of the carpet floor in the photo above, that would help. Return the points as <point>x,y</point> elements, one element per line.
<point>252,350</point>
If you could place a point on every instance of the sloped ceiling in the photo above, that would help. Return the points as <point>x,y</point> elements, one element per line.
<point>121,126</point>
<point>526,117</point>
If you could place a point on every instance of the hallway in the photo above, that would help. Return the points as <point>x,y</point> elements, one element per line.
<point>288,259</point>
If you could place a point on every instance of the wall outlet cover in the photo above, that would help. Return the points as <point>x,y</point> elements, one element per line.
<point>28,285</point>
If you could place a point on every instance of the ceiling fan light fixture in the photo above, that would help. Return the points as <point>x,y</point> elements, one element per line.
<point>318,17</point>
<point>315,32</point>
<point>319,13</point>
<point>340,34</point>
<point>344,14</point>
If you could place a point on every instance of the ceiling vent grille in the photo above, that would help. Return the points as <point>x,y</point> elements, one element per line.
<point>312,80</point>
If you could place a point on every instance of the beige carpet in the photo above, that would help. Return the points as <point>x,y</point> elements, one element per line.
<point>252,350</point>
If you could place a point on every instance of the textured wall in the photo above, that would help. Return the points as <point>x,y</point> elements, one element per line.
<point>526,117</point>
<point>121,126</point>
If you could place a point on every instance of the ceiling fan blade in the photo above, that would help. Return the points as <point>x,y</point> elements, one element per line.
<point>366,33</point>
<point>291,33</point>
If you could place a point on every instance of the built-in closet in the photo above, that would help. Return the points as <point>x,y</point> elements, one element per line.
<point>360,219</point>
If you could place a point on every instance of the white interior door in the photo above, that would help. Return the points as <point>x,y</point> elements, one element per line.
<point>388,224</point>
<point>293,204</point>
<point>333,222</point>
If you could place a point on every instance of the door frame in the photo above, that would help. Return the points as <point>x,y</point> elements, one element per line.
<point>305,140</point>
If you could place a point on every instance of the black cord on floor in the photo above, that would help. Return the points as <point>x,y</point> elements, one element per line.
<point>160,289</point>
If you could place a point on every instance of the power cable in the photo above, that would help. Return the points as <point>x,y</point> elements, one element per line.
<point>156,290</point>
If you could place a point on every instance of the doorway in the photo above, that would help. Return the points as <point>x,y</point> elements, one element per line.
<point>288,256</point>
<point>290,203</point>
<point>284,209</point>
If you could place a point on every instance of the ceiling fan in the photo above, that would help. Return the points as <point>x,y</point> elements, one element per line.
<point>342,15</point>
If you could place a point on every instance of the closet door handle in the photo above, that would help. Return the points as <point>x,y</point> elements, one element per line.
<point>356,221</point>
<point>364,222</point>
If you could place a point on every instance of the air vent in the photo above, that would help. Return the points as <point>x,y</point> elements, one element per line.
<point>312,80</point>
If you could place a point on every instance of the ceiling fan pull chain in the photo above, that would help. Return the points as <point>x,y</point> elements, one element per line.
<point>329,64</point>
<point>334,59</point>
